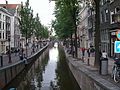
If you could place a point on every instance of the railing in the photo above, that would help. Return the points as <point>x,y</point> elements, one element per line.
<point>9,72</point>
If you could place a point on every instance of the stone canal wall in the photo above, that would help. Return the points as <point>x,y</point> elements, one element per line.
<point>9,72</point>
<point>85,79</point>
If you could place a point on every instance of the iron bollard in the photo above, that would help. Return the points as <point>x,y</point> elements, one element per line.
<point>1,59</point>
<point>88,62</point>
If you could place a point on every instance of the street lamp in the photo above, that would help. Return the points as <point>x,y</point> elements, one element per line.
<point>9,49</point>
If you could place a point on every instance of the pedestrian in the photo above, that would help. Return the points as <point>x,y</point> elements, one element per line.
<point>100,54</point>
<point>21,57</point>
<point>33,50</point>
<point>73,51</point>
<point>88,51</point>
<point>92,50</point>
<point>104,55</point>
<point>83,51</point>
<point>25,59</point>
<point>18,51</point>
<point>15,52</point>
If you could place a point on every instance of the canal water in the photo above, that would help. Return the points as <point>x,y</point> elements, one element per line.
<point>49,72</point>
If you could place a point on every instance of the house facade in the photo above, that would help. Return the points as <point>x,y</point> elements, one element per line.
<point>105,26</point>
<point>5,29</point>
<point>114,23</point>
<point>16,38</point>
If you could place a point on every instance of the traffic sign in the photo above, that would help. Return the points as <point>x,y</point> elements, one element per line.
<point>117,47</point>
<point>118,34</point>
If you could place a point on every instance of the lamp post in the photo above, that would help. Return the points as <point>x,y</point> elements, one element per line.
<point>9,49</point>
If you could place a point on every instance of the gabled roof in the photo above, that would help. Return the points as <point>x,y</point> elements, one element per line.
<point>10,5</point>
<point>4,10</point>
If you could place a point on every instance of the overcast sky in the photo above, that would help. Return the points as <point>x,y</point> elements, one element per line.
<point>43,7</point>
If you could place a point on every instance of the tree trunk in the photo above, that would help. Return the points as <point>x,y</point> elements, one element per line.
<point>26,45</point>
<point>97,33</point>
<point>75,32</point>
<point>76,51</point>
<point>71,46</point>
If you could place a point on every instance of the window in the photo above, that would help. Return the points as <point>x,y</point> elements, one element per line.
<point>106,15</point>
<point>3,17</point>
<point>3,25</point>
<point>0,25</point>
<point>104,1</point>
<point>0,15</point>
<point>117,9</point>
<point>101,2</point>
<point>112,17</point>
<point>102,17</point>
<point>3,35</point>
<point>0,35</point>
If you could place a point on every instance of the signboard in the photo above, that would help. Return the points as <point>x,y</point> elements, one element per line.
<point>118,34</point>
<point>117,47</point>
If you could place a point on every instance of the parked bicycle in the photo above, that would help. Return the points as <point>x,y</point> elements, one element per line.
<point>116,70</point>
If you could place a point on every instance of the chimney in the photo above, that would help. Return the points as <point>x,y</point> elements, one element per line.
<point>6,4</point>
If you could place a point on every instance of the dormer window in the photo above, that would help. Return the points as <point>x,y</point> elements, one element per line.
<point>117,9</point>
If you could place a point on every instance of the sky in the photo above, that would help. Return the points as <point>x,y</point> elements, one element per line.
<point>43,7</point>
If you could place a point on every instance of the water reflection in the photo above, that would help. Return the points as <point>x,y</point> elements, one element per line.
<point>47,73</point>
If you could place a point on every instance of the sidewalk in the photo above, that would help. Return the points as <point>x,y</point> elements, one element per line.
<point>95,70</point>
<point>92,59</point>
<point>15,58</point>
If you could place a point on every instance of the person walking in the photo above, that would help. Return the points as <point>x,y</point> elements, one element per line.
<point>92,51</point>
<point>88,52</point>
<point>83,53</point>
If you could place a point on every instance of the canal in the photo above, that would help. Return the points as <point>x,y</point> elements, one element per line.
<point>48,72</point>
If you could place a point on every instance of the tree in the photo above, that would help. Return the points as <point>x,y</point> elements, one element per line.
<point>26,21</point>
<point>97,33</point>
<point>38,29</point>
<point>45,32</point>
<point>66,19</point>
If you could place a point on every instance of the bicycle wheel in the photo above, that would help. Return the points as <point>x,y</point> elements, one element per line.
<point>116,76</point>
<point>113,72</point>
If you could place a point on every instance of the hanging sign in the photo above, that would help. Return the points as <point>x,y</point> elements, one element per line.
<point>118,34</point>
<point>117,47</point>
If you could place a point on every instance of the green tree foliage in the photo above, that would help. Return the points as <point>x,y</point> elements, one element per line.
<point>45,32</point>
<point>41,31</point>
<point>26,20</point>
<point>38,27</point>
<point>66,13</point>
<point>29,25</point>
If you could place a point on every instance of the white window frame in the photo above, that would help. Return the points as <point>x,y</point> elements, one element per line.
<point>111,13</point>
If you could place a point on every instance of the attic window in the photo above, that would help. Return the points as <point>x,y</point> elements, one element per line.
<point>117,9</point>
